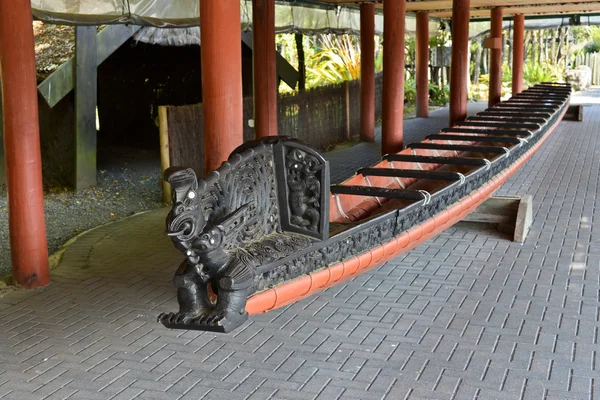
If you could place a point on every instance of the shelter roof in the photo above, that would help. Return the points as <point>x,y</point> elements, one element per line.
<point>481,8</point>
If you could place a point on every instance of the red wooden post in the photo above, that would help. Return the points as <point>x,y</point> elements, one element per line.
<point>265,68</point>
<point>28,245</point>
<point>459,63</point>
<point>221,51</point>
<point>393,76</point>
<point>518,47</point>
<point>495,45</point>
<point>422,65</point>
<point>367,72</point>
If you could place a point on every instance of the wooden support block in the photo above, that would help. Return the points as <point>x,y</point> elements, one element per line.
<point>85,106</point>
<point>574,113</point>
<point>524,218</point>
<point>513,215</point>
<point>492,43</point>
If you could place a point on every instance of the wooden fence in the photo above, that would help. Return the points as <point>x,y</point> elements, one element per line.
<point>321,117</point>
<point>592,60</point>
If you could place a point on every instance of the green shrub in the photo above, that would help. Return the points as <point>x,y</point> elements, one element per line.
<point>535,73</point>
<point>410,91</point>
<point>437,96</point>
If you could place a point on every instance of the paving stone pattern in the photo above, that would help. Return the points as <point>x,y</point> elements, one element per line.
<point>467,315</point>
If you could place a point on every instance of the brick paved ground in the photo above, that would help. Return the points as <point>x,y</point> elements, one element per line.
<point>467,315</point>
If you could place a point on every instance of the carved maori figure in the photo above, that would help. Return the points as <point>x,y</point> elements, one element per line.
<point>227,226</point>
<point>305,188</point>
<point>208,267</point>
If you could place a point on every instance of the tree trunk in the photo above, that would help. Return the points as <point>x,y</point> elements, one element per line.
<point>567,50</point>
<point>561,42</point>
<point>509,42</point>
<point>532,45</point>
<point>301,62</point>
<point>546,45</point>
<point>484,64</point>
<point>477,69</point>
<point>540,41</point>
<point>553,50</point>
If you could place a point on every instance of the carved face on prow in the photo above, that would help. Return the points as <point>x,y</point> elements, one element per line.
<point>184,221</point>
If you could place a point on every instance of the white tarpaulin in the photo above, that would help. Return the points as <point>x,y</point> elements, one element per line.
<point>290,16</point>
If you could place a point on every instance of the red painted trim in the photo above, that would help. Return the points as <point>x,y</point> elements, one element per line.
<point>300,288</point>
<point>28,245</point>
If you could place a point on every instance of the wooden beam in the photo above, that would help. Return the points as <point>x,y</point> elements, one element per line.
<point>285,70</point>
<point>543,9</point>
<point>85,106</point>
<point>60,83</point>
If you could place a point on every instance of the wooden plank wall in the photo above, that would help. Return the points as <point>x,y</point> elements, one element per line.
<point>319,116</point>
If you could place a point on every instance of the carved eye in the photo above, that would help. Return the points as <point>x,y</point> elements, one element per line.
<point>212,241</point>
<point>191,194</point>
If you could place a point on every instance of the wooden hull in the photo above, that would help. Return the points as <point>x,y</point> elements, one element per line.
<point>329,276</point>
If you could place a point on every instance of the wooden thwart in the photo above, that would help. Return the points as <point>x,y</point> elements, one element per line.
<point>511,214</point>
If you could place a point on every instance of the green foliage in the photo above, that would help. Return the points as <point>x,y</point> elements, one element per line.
<point>437,96</point>
<point>410,91</point>
<point>592,47</point>
<point>440,39</point>
<point>589,37</point>
<point>535,73</point>
<point>339,59</point>
<point>506,73</point>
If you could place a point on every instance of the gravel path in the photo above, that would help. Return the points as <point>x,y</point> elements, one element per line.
<point>127,184</point>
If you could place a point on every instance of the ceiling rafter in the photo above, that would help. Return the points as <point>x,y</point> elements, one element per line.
<point>480,8</point>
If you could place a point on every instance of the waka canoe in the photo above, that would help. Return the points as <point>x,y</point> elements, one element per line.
<point>267,229</point>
